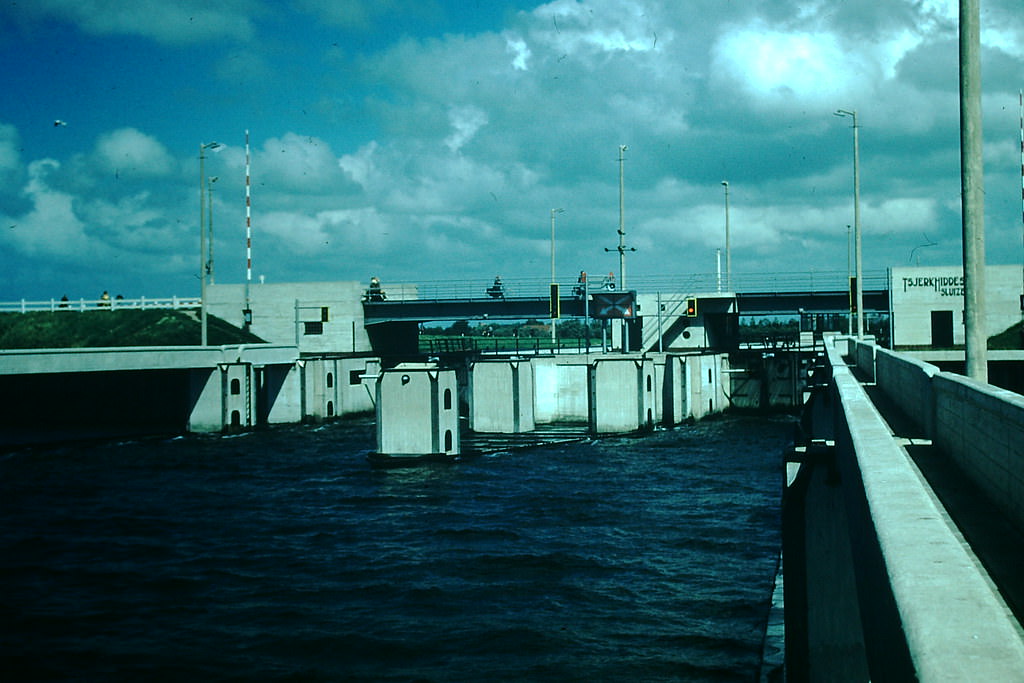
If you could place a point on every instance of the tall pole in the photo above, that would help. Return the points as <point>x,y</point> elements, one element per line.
<point>849,274</point>
<point>972,189</point>
<point>203,264</point>
<point>248,239</point>
<point>728,249</point>
<point>202,247</point>
<point>856,219</point>
<point>622,218</point>
<point>553,281</point>
<point>209,227</point>
<point>1020,102</point>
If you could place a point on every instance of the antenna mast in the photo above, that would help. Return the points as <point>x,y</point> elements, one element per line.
<point>247,313</point>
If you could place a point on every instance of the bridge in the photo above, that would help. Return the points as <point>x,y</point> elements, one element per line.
<point>656,317</point>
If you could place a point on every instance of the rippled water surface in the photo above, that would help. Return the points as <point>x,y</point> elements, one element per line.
<point>283,555</point>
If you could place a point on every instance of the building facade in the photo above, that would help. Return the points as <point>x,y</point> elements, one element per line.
<point>927,304</point>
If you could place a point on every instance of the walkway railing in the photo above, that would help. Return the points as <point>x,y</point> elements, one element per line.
<point>24,306</point>
<point>693,283</point>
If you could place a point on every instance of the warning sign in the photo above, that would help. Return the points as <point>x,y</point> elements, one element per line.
<point>613,305</point>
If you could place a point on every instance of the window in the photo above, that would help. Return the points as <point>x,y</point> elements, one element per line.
<point>236,387</point>
<point>355,377</point>
<point>447,399</point>
<point>330,380</point>
<point>314,327</point>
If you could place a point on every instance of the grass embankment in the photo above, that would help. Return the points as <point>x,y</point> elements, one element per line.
<point>69,329</point>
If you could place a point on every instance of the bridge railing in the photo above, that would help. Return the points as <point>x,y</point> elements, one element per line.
<point>55,305</point>
<point>689,283</point>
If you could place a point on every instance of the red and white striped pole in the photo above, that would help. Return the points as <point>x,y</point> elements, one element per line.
<point>247,314</point>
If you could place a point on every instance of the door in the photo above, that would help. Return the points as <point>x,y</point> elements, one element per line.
<point>942,329</point>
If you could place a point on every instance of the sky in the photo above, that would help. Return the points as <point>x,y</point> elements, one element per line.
<point>430,140</point>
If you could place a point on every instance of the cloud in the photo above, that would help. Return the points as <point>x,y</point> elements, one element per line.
<point>176,23</point>
<point>128,149</point>
<point>466,121</point>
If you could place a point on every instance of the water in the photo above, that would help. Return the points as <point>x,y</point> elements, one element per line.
<point>281,555</point>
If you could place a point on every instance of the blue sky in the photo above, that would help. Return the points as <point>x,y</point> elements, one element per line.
<point>428,140</point>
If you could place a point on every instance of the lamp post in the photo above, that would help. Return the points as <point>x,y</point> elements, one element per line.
<point>553,281</point>
<point>203,264</point>
<point>728,249</point>
<point>849,274</point>
<point>856,220</point>
<point>209,226</point>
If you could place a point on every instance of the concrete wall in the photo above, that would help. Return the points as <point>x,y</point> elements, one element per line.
<point>417,411</point>
<point>501,396</point>
<point>908,382</point>
<point>292,313</point>
<point>674,404</point>
<point>622,394</point>
<point>560,389</point>
<point>925,609</point>
<point>707,390</point>
<point>982,428</point>
<point>338,386</point>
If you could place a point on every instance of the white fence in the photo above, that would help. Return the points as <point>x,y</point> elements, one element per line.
<point>55,305</point>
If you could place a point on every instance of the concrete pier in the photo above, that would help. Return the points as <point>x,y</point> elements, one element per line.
<point>417,412</point>
<point>501,396</point>
<point>621,395</point>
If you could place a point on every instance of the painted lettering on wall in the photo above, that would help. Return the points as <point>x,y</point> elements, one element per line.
<point>943,285</point>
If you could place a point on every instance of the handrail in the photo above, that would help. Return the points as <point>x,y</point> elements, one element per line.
<point>55,305</point>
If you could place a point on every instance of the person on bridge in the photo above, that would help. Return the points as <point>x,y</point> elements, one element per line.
<point>497,290</point>
<point>609,282</point>
<point>580,289</point>
<point>375,293</point>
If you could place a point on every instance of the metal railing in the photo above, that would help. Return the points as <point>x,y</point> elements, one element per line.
<point>689,284</point>
<point>55,305</point>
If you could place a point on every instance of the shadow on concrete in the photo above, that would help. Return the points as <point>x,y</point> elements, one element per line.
<point>995,541</point>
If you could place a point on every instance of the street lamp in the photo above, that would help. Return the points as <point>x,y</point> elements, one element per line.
<point>553,212</point>
<point>203,264</point>
<point>728,250</point>
<point>209,226</point>
<point>856,220</point>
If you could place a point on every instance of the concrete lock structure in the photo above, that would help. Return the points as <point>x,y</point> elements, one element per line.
<point>338,386</point>
<point>501,397</point>
<point>621,395</point>
<point>560,388</point>
<point>417,412</point>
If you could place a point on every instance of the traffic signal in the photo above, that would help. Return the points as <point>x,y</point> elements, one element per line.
<point>691,307</point>
<point>554,305</point>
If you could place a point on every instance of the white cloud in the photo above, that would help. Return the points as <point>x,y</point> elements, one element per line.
<point>130,149</point>
<point>790,68</point>
<point>51,227</point>
<point>520,53</point>
<point>466,121</point>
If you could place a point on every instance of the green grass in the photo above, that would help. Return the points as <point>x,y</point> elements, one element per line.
<point>1007,340</point>
<point>68,329</point>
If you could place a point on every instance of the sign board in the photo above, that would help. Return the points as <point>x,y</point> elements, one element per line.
<point>613,305</point>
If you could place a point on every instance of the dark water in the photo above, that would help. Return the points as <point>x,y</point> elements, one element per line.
<point>283,555</point>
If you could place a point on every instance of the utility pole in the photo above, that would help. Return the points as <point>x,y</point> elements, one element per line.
<point>622,248</point>
<point>856,219</point>
<point>972,187</point>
